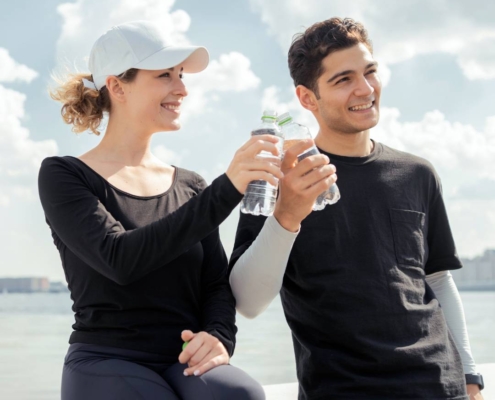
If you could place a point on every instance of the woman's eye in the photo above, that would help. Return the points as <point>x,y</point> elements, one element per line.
<point>372,71</point>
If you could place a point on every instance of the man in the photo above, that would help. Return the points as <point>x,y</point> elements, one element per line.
<point>362,280</point>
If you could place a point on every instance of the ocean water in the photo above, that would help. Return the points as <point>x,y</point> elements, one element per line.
<point>34,330</point>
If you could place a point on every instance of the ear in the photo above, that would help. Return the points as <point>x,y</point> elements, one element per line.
<point>115,89</point>
<point>307,98</point>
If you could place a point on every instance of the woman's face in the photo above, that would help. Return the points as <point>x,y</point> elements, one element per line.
<point>154,98</point>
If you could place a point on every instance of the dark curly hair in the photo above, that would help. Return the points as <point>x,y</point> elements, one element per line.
<point>308,49</point>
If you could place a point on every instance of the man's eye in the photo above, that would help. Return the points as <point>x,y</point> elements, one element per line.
<point>372,71</point>
<point>342,80</point>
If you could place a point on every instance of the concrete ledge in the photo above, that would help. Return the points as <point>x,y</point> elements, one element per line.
<point>288,391</point>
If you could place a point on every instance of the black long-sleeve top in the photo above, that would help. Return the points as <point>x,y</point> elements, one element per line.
<point>141,269</point>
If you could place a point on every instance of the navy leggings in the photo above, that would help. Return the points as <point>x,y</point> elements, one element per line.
<point>93,372</point>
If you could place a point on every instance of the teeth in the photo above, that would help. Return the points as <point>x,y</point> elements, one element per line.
<point>363,107</point>
<point>170,107</point>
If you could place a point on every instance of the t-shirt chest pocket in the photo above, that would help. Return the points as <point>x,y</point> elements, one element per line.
<point>408,236</point>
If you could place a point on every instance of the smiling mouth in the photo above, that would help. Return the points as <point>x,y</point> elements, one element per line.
<point>171,107</point>
<point>362,107</point>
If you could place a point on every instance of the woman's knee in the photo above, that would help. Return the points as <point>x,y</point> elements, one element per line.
<point>224,382</point>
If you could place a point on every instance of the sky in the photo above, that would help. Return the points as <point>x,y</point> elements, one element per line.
<point>437,63</point>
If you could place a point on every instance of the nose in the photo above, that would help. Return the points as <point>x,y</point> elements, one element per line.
<point>180,88</point>
<point>364,87</point>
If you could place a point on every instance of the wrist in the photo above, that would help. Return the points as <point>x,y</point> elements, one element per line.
<point>287,221</point>
<point>475,379</point>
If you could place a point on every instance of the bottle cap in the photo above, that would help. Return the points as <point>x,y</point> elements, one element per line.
<point>184,345</point>
<point>269,114</point>
<point>284,119</point>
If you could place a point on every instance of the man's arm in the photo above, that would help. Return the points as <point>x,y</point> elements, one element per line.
<point>262,249</point>
<point>257,276</point>
<point>446,292</point>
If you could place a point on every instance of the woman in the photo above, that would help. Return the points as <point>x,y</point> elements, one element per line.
<point>138,239</point>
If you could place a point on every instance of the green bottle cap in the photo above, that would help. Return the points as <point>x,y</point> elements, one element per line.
<point>184,345</point>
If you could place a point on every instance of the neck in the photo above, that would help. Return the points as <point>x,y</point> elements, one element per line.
<point>125,144</point>
<point>345,144</point>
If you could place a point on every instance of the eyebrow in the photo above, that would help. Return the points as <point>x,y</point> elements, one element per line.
<point>350,71</point>
<point>172,68</point>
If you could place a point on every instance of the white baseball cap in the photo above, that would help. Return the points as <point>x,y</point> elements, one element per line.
<point>141,45</point>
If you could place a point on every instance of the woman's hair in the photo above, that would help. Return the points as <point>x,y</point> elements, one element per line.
<point>81,106</point>
<point>308,49</point>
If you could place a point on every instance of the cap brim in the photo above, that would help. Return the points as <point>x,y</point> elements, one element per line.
<point>191,58</point>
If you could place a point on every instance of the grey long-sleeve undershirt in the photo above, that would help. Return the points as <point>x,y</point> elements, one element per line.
<point>257,277</point>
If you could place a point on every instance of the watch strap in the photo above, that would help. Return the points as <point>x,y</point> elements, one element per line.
<point>475,379</point>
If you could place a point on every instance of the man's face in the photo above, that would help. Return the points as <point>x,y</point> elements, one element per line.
<point>349,90</point>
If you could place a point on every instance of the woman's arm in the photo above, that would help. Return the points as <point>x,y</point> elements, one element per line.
<point>218,303</point>
<point>84,225</point>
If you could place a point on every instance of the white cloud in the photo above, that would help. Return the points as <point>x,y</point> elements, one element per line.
<point>85,20</point>
<point>11,71</point>
<point>20,156</point>
<point>4,200</point>
<point>231,72</point>
<point>458,150</point>
<point>478,61</point>
<point>399,30</point>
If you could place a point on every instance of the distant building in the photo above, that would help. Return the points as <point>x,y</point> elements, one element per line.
<point>24,285</point>
<point>477,273</point>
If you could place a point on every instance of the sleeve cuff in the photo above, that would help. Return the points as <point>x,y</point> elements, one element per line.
<point>279,229</point>
<point>229,191</point>
<point>228,344</point>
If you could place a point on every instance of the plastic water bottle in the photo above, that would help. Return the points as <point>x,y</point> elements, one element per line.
<point>260,196</point>
<point>294,132</point>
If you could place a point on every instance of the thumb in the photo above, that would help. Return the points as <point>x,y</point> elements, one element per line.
<point>187,335</point>
<point>290,156</point>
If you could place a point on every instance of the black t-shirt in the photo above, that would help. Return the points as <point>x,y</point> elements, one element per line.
<point>141,269</point>
<point>365,324</point>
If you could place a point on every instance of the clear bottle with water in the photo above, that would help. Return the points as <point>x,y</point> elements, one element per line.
<point>293,133</point>
<point>260,196</point>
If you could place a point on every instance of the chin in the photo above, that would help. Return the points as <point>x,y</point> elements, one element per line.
<point>175,126</point>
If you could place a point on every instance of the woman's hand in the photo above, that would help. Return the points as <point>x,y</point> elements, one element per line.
<point>202,353</point>
<point>246,167</point>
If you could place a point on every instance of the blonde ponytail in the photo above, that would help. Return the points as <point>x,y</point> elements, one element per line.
<point>83,107</point>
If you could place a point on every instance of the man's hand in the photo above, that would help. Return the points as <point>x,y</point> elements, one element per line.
<point>474,392</point>
<point>202,353</point>
<point>301,184</point>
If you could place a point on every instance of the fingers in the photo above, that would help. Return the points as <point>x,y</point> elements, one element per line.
<point>209,363</point>
<point>200,352</point>
<point>258,145</point>
<point>187,335</point>
<point>308,164</point>
<point>194,344</point>
<point>290,155</point>
<point>316,175</point>
<point>269,139</point>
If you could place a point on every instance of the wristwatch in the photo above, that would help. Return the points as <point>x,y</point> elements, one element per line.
<point>475,379</point>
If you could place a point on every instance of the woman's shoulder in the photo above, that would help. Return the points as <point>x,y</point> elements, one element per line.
<point>191,179</point>
<point>63,169</point>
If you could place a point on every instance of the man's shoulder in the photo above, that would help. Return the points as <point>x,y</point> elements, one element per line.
<point>407,160</point>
